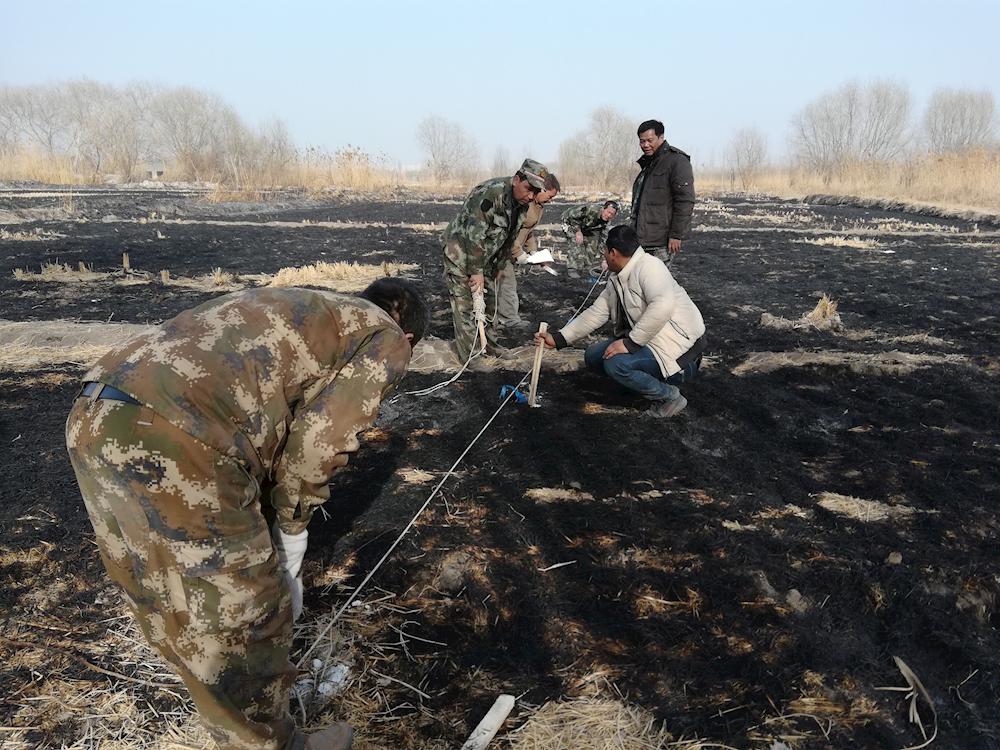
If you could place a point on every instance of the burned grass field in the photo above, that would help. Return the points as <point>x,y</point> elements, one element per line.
<point>803,554</point>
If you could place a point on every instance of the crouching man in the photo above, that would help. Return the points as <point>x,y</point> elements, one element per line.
<point>659,333</point>
<point>201,449</point>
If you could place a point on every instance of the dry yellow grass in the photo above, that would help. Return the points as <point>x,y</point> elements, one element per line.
<point>844,242</point>
<point>36,235</point>
<point>863,510</point>
<point>59,272</point>
<point>27,163</point>
<point>340,276</point>
<point>959,181</point>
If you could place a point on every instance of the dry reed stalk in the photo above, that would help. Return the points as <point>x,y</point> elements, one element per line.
<point>887,363</point>
<point>340,276</point>
<point>592,724</point>
<point>864,510</point>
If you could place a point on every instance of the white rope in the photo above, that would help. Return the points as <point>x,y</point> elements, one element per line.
<point>479,313</point>
<point>479,305</point>
<point>413,520</point>
<point>604,272</point>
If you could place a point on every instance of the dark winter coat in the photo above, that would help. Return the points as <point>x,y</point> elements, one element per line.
<point>663,197</point>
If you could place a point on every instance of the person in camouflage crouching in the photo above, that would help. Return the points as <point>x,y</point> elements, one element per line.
<point>586,227</point>
<point>201,449</point>
<point>477,245</point>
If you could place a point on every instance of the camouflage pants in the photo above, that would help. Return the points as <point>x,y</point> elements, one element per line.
<point>583,256</point>
<point>660,252</point>
<point>464,319</point>
<point>508,305</point>
<point>179,528</point>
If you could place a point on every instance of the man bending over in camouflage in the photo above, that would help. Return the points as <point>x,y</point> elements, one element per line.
<point>587,228</point>
<point>201,449</point>
<point>477,245</point>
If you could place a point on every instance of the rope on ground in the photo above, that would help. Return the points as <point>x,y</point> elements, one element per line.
<point>601,278</point>
<point>403,533</point>
<point>479,315</point>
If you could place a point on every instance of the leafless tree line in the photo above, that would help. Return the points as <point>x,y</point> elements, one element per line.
<point>601,155</point>
<point>874,123</point>
<point>451,152</point>
<point>108,129</point>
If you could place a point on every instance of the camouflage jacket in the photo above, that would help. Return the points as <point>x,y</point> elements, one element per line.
<point>480,238</point>
<point>586,218</point>
<point>280,379</point>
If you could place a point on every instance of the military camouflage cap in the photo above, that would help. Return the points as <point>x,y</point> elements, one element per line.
<point>536,172</point>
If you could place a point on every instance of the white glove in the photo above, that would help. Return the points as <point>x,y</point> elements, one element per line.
<point>291,552</point>
<point>521,260</point>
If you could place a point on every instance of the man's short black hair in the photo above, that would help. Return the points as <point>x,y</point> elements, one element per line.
<point>402,300</point>
<point>623,239</point>
<point>613,204</point>
<point>552,183</point>
<point>655,125</point>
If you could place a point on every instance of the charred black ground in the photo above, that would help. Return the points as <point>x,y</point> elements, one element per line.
<point>705,579</point>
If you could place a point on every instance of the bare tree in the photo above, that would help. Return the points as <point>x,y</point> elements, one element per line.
<point>603,154</point>
<point>500,165</point>
<point>853,123</point>
<point>572,168</point>
<point>885,129</point>
<point>34,116</point>
<point>959,120</point>
<point>745,155</point>
<point>450,151</point>
<point>198,131</point>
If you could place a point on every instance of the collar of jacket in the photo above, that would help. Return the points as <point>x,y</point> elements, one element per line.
<point>623,274</point>
<point>644,161</point>
<point>508,194</point>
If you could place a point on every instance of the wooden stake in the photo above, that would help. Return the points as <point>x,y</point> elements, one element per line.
<point>542,328</point>
<point>482,335</point>
<point>491,723</point>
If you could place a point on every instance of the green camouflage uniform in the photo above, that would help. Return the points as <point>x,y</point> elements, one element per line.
<point>479,240</point>
<point>587,220</point>
<point>252,397</point>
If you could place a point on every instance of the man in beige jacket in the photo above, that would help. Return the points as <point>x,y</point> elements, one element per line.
<point>508,305</point>
<point>659,334</point>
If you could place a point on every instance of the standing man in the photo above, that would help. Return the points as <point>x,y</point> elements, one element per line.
<point>662,194</point>
<point>587,228</point>
<point>508,305</point>
<point>658,332</point>
<point>201,449</point>
<point>477,245</point>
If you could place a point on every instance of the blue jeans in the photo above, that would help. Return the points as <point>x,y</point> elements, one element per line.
<point>638,372</point>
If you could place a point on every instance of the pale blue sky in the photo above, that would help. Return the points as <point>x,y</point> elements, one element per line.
<point>519,75</point>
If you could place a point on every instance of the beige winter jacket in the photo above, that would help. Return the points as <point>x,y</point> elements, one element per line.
<point>657,311</point>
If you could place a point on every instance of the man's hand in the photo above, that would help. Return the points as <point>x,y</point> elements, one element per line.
<point>618,347</point>
<point>476,282</point>
<point>291,552</point>
<point>673,245</point>
<point>579,238</point>
<point>545,339</point>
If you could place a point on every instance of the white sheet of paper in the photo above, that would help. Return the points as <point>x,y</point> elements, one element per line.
<point>541,256</point>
